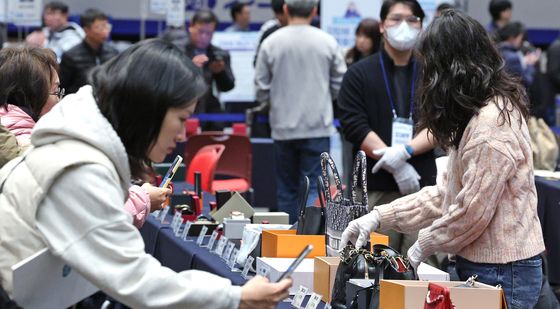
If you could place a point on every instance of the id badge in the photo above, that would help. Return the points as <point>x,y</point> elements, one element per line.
<point>402,131</point>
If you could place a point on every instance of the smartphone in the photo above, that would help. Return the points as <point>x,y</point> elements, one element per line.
<point>296,263</point>
<point>171,171</point>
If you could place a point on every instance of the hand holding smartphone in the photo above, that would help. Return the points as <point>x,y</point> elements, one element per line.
<point>296,263</point>
<point>171,172</point>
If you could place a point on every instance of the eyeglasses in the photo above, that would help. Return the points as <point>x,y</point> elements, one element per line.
<point>59,93</point>
<point>102,27</point>
<point>398,18</point>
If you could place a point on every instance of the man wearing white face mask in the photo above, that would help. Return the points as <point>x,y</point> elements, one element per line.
<point>376,100</point>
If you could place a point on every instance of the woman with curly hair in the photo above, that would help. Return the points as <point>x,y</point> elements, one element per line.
<point>485,211</point>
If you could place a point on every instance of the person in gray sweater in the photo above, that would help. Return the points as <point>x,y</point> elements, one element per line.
<point>299,71</point>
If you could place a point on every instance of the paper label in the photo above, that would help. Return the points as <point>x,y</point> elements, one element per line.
<point>221,245</point>
<point>163,214</point>
<point>247,267</point>
<point>299,297</point>
<point>314,301</point>
<point>228,250</point>
<point>233,258</point>
<point>212,240</point>
<point>200,238</point>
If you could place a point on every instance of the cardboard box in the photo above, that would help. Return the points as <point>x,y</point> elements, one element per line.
<point>233,228</point>
<point>303,275</point>
<point>376,238</point>
<point>430,273</point>
<point>235,203</point>
<point>271,217</point>
<point>286,244</point>
<point>411,294</point>
<point>325,273</point>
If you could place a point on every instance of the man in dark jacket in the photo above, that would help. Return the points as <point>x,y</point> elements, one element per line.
<point>215,62</point>
<point>93,51</point>
<point>376,102</point>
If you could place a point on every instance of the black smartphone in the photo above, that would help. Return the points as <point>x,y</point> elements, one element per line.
<point>296,263</point>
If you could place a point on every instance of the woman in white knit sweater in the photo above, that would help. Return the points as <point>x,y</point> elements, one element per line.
<point>485,211</point>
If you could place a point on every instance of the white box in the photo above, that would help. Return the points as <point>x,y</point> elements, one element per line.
<point>272,217</point>
<point>303,275</point>
<point>430,273</point>
<point>233,228</point>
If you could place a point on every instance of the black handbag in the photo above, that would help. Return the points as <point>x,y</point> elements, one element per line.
<point>383,263</point>
<point>311,220</point>
<point>340,210</point>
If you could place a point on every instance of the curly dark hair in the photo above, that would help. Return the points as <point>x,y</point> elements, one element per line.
<point>462,72</point>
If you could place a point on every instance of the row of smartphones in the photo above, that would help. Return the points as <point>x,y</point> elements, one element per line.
<point>303,254</point>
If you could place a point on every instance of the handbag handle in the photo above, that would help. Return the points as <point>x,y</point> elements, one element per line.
<point>321,191</point>
<point>326,162</point>
<point>304,195</point>
<point>360,169</point>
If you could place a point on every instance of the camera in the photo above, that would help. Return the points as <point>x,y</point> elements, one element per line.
<point>217,55</point>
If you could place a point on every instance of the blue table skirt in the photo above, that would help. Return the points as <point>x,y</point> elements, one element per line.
<point>180,255</point>
<point>548,192</point>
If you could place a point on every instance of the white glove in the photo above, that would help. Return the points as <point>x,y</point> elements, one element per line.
<point>407,179</point>
<point>358,230</point>
<point>392,158</point>
<point>415,257</point>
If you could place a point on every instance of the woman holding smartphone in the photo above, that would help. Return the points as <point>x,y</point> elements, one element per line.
<point>67,192</point>
<point>485,212</point>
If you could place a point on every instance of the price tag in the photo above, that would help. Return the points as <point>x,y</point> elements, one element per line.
<point>247,266</point>
<point>200,238</point>
<point>264,271</point>
<point>233,258</point>
<point>212,240</point>
<point>299,297</point>
<point>178,223</point>
<point>227,252</point>
<point>314,301</point>
<point>163,214</point>
<point>221,245</point>
<point>186,230</point>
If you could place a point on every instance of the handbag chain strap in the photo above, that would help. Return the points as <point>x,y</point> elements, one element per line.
<point>360,170</point>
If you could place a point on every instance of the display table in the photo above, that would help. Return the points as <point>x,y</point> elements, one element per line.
<point>181,255</point>
<point>548,192</point>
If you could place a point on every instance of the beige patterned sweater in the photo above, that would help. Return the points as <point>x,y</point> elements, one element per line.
<point>486,208</point>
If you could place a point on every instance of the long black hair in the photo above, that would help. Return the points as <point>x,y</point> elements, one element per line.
<point>135,89</point>
<point>462,71</point>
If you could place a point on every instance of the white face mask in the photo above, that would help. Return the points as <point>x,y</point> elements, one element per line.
<point>402,37</point>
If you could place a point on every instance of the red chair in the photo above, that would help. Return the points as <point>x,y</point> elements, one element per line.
<point>205,161</point>
<point>235,163</point>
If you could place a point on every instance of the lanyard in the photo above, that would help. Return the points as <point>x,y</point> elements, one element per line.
<point>386,79</point>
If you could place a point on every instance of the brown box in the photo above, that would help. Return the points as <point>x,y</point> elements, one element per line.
<point>376,238</point>
<point>411,294</point>
<point>325,273</point>
<point>286,244</point>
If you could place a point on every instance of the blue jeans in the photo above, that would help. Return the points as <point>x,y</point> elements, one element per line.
<point>295,159</point>
<point>521,280</point>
